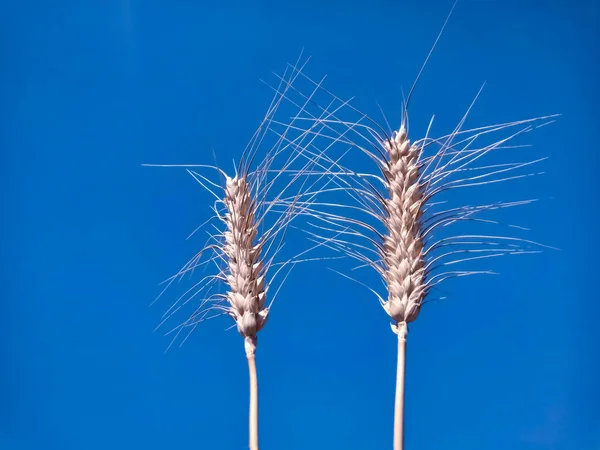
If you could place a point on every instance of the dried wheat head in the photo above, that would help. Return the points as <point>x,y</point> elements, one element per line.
<point>392,220</point>
<point>252,213</point>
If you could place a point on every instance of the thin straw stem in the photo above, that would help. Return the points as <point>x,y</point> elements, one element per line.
<point>400,371</point>
<point>253,415</point>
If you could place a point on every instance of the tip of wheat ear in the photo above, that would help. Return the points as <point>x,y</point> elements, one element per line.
<point>245,270</point>
<point>403,242</point>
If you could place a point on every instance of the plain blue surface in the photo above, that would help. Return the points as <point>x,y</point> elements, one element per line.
<point>90,90</point>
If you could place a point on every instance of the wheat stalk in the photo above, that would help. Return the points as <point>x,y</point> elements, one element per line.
<point>391,220</point>
<point>400,220</point>
<point>246,281</point>
<point>403,253</point>
<point>253,211</point>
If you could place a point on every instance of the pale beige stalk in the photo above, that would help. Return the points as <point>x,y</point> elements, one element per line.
<point>253,414</point>
<point>399,404</point>
<point>254,209</point>
<point>398,231</point>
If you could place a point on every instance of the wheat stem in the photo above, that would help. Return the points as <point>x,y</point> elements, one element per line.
<point>402,331</point>
<point>403,228</point>
<point>253,414</point>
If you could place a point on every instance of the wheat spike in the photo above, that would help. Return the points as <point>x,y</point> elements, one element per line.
<point>403,244</point>
<point>397,216</point>
<point>252,212</point>
<point>246,281</point>
<point>395,221</point>
<point>246,276</point>
<point>403,252</point>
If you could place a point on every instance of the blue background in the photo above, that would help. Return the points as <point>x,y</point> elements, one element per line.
<point>91,90</point>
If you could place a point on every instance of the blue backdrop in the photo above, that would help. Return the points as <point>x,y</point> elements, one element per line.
<point>91,90</point>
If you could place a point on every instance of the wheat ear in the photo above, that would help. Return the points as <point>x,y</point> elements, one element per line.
<point>394,220</point>
<point>252,211</point>
<point>403,254</point>
<point>246,281</point>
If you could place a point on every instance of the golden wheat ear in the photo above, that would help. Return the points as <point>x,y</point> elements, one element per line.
<point>401,219</point>
<point>253,210</point>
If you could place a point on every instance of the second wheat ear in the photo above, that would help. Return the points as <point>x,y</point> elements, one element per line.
<point>252,212</point>
<point>395,219</point>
